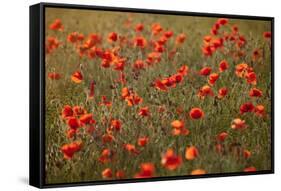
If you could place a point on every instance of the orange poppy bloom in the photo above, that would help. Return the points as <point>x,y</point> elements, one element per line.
<point>168,34</point>
<point>183,70</point>
<point>238,124</point>
<point>52,44</point>
<point>133,99</point>
<point>86,118</point>
<point>73,123</point>
<point>68,150</point>
<point>259,110</point>
<point>75,37</point>
<point>177,124</point>
<point>213,78</point>
<point>107,173</point>
<point>191,153</point>
<point>222,92</point>
<point>241,69</point>
<point>146,170</point>
<point>54,76</point>
<point>125,92</point>
<point>177,132</point>
<point>140,42</point>
<point>106,156</point>
<point>196,113</point>
<point>205,71</point>
<point>56,25</point>
<point>205,91</point>
<point>180,38</point>
<point>120,174</point>
<point>67,112</point>
<point>250,169</point>
<point>70,133</point>
<point>153,57</point>
<point>131,148</point>
<point>247,107</point>
<point>255,92</point>
<point>115,125</point>
<point>144,111</point>
<point>77,77</point>
<point>222,136</point>
<point>112,37</point>
<point>198,172</point>
<point>142,141</point>
<point>170,160</point>
<point>223,65</point>
<point>247,154</point>
<point>156,28</point>
<point>139,27</point>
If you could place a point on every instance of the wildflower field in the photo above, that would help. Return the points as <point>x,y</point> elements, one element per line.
<point>132,95</point>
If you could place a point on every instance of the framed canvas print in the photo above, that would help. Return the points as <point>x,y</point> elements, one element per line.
<point>127,95</point>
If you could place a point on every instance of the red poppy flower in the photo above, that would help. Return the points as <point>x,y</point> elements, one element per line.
<point>142,141</point>
<point>78,110</point>
<point>67,112</point>
<point>222,92</point>
<point>69,149</point>
<point>144,111</point>
<point>255,92</point>
<point>251,78</point>
<point>115,125</point>
<point>222,21</point>
<point>120,174</point>
<point>107,173</point>
<point>196,113</point>
<point>106,156</point>
<point>156,28</point>
<point>183,70</point>
<point>205,91</point>
<point>54,76</point>
<point>139,27</point>
<point>107,138</point>
<point>56,25</point>
<point>73,123</point>
<point>140,42</point>
<point>247,107</point>
<point>191,153</point>
<point>247,154</point>
<point>267,35</point>
<point>180,38</point>
<point>139,65</point>
<point>177,124</point>
<point>222,136</point>
<point>223,65</point>
<point>238,124</point>
<point>131,148</point>
<point>205,71</point>
<point>77,77</point>
<point>250,169</point>
<point>112,37</point>
<point>168,34</point>
<point>213,78</point>
<point>86,118</point>
<point>260,110</point>
<point>170,160</point>
<point>146,170</point>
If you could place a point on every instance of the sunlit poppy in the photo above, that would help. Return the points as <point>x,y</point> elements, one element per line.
<point>180,38</point>
<point>170,160</point>
<point>107,173</point>
<point>238,124</point>
<point>196,113</point>
<point>69,149</point>
<point>77,77</point>
<point>198,172</point>
<point>183,70</point>
<point>156,28</point>
<point>146,170</point>
<point>205,91</point>
<point>140,42</point>
<point>177,124</point>
<point>191,153</point>
<point>241,69</point>
<point>259,110</point>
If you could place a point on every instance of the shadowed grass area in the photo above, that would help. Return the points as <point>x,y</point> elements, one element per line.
<point>164,107</point>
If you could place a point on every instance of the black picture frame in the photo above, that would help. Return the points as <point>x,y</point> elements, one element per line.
<point>37,93</point>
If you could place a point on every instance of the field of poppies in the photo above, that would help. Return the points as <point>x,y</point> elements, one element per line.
<point>132,95</point>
